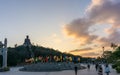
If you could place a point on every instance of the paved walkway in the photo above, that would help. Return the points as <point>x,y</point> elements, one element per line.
<point>92,71</point>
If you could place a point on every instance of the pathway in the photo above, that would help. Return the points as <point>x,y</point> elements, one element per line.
<point>92,71</point>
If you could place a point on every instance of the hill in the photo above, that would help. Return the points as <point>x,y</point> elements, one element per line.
<point>18,55</point>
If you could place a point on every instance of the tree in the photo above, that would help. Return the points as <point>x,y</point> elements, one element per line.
<point>107,55</point>
<point>114,56</point>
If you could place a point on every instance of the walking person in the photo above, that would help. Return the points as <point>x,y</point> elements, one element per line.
<point>100,70</point>
<point>96,66</point>
<point>75,65</point>
<point>107,69</point>
<point>88,66</point>
<point>75,68</point>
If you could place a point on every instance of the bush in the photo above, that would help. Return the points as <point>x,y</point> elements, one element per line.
<point>4,69</point>
<point>114,66</point>
<point>117,66</point>
<point>118,69</point>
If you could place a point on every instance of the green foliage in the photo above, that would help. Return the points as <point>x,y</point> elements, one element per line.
<point>115,58</point>
<point>4,69</point>
<point>114,66</point>
<point>118,69</point>
<point>116,53</point>
<point>12,57</point>
<point>117,66</point>
<point>117,63</point>
<point>18,54</point>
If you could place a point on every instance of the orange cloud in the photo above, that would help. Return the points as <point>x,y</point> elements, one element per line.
<point>79,29</point>
<point>88,52</point>
<point>98,12</point>
<point>81,50</point>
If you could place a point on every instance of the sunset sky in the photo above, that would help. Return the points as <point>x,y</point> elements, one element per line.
<point>80,27</point>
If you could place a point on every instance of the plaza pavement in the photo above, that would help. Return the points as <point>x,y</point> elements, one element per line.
<point>92,71</point>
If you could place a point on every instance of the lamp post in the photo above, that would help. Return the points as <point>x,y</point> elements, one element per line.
<point>103,51</point>
<point>104,56</point>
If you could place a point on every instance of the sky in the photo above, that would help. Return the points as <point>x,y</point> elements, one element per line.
<point>80,27</point>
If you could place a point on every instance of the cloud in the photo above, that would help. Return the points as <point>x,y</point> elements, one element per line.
<point>98,12</point>
<point>87,52</point>
<point>92,54</point>
<point>82,50</point>
<point>79,29</point>
<point>112,38</point>
<point>106,11</point>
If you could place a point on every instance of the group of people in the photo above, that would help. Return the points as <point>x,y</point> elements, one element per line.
<point>98,68</point>
<point>54,58</point>
<point>106,70</point>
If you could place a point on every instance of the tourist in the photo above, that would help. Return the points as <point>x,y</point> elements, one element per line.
<point>75,69</point>
<point>107,69</point>
<point>100,70</point>
<point>88,66</point>
<point>96,66</point>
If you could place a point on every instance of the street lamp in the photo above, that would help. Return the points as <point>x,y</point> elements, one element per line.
<point>103,51</point>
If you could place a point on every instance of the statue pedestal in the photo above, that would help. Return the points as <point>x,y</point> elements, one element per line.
<point>3,52</point>
<point>4,57</point>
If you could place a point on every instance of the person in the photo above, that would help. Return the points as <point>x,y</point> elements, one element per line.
<point>100,70</point>
<point>96,66</point>
<point>88,66</point>
<point>107,69</point>
<point>75,68</point>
